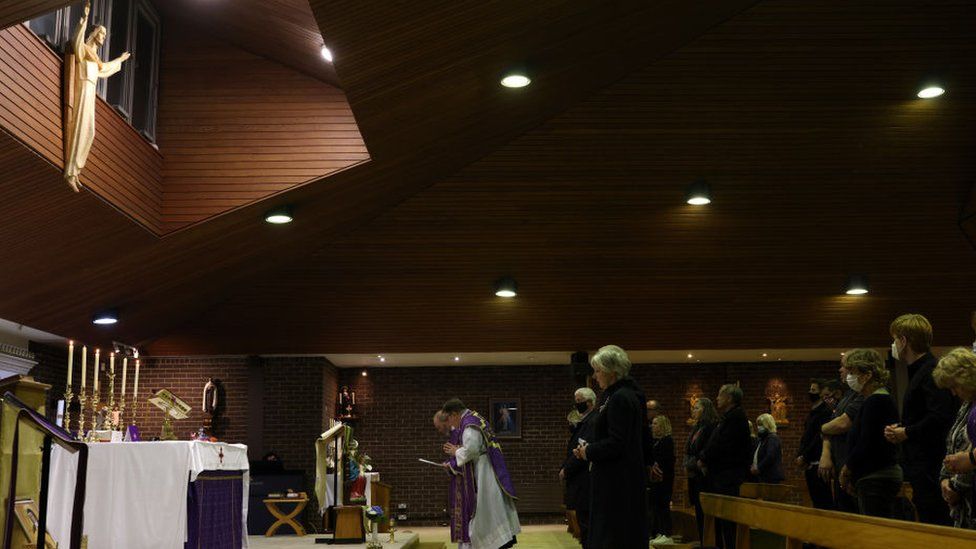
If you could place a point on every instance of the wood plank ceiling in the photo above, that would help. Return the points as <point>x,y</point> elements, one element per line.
<point>798,111</point>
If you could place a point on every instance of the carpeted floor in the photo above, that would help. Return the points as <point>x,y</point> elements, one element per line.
<point>532,537</point>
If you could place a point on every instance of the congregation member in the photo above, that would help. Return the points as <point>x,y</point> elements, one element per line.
<point>576,472</point>
<point>956,371</point>
<point>487,518</point>
<point>726,456</point>
<point>653,410</point>
<point>705,417</point>
<point>927,414</point>
<point>618,503</point>
<point>833,454</point>
<point>872,473</point>
<point>661,487</point>
<point>811,444</point>
<point>767,461</point>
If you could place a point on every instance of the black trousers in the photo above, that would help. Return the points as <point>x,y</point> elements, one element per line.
<point>583,519</point>
<point>695,485</point>
<point>927,496</point>
<point>844,501</point>
<point>724,529</point>
<point>819,490</point>
<point>876,497</point>
<point>659,504</point>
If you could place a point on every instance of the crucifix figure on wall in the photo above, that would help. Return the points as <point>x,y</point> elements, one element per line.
<point>82,69</point>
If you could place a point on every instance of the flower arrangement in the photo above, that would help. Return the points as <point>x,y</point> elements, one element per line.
<point>374,515</point>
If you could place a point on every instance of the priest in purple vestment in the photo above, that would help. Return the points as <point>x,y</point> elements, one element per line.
<point>482,499</point>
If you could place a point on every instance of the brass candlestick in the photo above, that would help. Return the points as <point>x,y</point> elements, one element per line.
<point>82,399</point>
<point>94,419</point>
<point>68,396</point>
<point>121,416</point>
<point>112,410</point>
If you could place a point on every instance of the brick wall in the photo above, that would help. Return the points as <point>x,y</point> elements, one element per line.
<point>395,407</point>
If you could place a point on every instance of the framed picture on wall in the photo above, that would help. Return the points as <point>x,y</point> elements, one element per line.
<point>506,417</point>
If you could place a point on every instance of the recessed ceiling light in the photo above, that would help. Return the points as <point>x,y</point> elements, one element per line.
<point>382,359</point>
<point>929,92</point>
<point>857,285</point>
<point>506,287</point>
<point>691,355</point>
<point>106,317</point>
<point>326,54</point>
<point>699,193</point>
<point>279,216</point>
<point>765,355</point>
<point>364,373</point>
<point>516,80</point>
<point>457,359</point>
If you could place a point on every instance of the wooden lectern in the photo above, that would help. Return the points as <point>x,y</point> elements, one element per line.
<point>33,394</point>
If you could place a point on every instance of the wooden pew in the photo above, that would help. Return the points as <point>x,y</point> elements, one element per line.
<point>779,493</point>
<point>830,529</point>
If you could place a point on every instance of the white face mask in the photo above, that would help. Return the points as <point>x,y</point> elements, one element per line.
<point>894,350</point>
<point>854,383</point>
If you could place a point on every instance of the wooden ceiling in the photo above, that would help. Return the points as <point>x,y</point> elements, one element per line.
<point>801,114</point>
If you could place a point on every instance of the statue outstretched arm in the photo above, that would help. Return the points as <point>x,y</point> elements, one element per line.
<point>78,41</point>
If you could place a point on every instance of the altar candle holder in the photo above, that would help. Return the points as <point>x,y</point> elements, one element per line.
<point>112,410</point>
<point>94,419</point>
<point>121,416</point>
<point>68,396</point>
<point>82,399</point>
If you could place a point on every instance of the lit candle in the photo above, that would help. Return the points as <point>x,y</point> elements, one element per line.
<point>111,362</point>
<point>135,388</point>
<point>95,385</point>
<point>125,368</point>
<point>71,357</point>
<point>84,366</point>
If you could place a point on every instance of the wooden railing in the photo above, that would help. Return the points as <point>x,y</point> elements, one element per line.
<point>830,529</point>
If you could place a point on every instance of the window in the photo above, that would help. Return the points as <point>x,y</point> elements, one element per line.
<point>133,26</point>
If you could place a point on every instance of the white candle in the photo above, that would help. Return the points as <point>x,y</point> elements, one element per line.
<point>135,388</point>
<point>125,368</point>
<point>84,366</point>
<point>95,385</point>
<point>111,362</point>
<point>71,357</point>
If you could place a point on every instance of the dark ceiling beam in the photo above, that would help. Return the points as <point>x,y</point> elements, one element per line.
<point>18,11</point>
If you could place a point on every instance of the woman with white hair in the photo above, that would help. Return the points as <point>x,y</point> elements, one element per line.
<point>767,462</point>
<point>621,440</point>
<point>575,471</point>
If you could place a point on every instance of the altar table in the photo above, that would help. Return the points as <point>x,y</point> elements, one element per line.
<point>137,492</point>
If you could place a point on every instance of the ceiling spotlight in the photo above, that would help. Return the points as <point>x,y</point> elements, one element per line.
<point>691,355</point>
<point>382,358</point>
<point>279,216</point>
<point>506,287</point>
<point>364,373</point>
<point>765,355</point>
<point>457,359</point>
<point>930,91</point>
<point>106,317</point>
<point>326,54</point>
<point>515,80</point>
<point>699,193</point>
<point>857,285</point>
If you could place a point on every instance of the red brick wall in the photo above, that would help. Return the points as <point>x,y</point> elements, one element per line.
<point>396,405</point>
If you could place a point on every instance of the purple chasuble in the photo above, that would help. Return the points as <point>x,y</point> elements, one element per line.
<point>463,496</point>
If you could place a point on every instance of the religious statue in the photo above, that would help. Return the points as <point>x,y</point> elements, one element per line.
<point>777,395</point>
<point>82,69</point>
<point>356,466</point>
<point>346,403</point>
<point>692,395</point>
<point>212,405</point>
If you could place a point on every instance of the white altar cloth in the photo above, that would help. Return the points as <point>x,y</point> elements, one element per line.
<point>136,491</point>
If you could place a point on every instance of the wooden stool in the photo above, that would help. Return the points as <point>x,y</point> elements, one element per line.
<point>283,519</point>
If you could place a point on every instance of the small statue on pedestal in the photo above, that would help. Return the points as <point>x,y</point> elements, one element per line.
<point>355,473</point>
<point>777,395</point>
<point>346,404</point>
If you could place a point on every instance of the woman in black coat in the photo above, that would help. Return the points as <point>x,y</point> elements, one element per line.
<point>662,477</point>
<point>706,418</point>
<point>767,464</point>
<point>621,440</point>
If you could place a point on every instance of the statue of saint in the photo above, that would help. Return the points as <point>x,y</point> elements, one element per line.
<point>83,68</point>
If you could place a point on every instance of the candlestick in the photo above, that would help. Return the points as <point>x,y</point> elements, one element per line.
<point>135,394</point>
<point>113,417</point>
<point>84,366</point>
<point>94,419</point>
<point>68,395</point>
<point>82,399</point>
<point>71,357</point>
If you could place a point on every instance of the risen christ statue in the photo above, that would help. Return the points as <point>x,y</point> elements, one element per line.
<point>83,68</point>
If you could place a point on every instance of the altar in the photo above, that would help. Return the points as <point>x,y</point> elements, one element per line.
<point>140,495</point>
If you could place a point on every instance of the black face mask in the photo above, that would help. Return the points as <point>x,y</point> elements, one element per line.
<point>581,407</point>
<point>814,396</point>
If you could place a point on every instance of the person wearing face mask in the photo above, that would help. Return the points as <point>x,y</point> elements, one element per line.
<point>576,472</point>
<point>811,444</point>
<point>872,473</point>
<point>927,415</point>
<point>833,454</point>
<point>706,418</point>
<point>767,462</point>
<point>621,444</point>
<point>956,371</point>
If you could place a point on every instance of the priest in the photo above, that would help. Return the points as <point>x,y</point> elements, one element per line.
<point>483,514</point>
